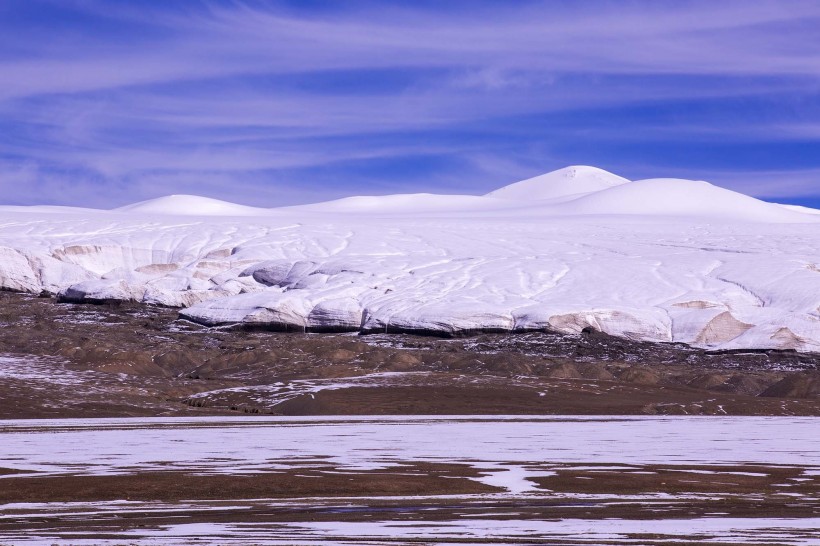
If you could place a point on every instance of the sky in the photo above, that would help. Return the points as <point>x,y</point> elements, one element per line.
<point>266,103</point>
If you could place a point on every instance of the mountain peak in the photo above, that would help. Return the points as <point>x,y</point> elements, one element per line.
<point>569,181</point>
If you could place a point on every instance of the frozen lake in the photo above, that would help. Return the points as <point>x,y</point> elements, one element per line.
<point>232,445</point>
<point>513,454</point>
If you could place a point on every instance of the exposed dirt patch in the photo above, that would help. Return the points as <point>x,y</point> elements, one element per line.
<point>413,479</point>
<point>680,479</point>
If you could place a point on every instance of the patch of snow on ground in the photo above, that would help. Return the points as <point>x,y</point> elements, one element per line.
<point>272,394</point>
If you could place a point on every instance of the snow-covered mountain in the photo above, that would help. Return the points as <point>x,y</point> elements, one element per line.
<point>191,205</point>
<point>659,260</point>
<point>560,184</point>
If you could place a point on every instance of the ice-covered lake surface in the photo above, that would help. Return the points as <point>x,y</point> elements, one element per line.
<point>508,452</point>
<point>657,260</point>
<point>232,445</point>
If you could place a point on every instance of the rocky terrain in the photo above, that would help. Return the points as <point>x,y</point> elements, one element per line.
<point>69,360</point>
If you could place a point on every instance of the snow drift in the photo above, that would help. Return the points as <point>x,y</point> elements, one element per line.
<point>659,260</point>
<point>190,205</point>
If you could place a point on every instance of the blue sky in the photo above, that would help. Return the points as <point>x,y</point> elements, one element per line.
<point>104,103</point>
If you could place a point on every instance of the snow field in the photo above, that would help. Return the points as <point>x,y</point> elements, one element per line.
<point>656,260</point>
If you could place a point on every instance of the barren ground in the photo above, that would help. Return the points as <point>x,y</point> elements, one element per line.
<point>66,360</point>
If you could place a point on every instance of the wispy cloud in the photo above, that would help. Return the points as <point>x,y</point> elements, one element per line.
<point>118,96</point>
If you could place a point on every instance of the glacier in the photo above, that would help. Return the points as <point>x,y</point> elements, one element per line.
<point>662,260</point>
